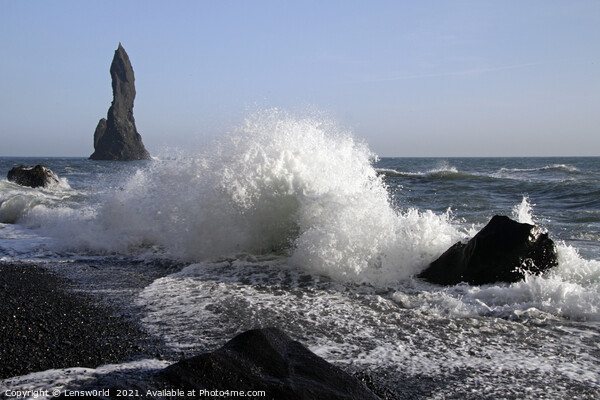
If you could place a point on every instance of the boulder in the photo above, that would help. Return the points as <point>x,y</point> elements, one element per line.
<point>38,176</point>
<point>265,359</point>
<point>503,251</point>
<point>116,137</point>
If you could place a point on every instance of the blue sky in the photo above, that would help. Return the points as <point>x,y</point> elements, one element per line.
<point>421,78</point>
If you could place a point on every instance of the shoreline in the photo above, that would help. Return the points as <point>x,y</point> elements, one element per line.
<point>45,325</point>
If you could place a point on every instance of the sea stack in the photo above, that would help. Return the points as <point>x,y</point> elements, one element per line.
<point>116,137</point>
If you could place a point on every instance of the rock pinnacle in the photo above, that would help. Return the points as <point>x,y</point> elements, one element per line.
<point>116,137</point>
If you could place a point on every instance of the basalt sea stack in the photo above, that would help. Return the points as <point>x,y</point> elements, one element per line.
<point>116,137</point>
<point>501,252</point>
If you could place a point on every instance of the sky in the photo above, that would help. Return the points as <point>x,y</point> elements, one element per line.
<point>409,78</point>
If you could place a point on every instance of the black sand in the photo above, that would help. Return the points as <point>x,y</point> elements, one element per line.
<point>44,326</point>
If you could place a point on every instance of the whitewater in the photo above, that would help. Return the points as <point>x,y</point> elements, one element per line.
<point>290,221</point>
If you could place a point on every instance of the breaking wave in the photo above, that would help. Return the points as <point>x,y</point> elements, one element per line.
<point>304,190</point>
<point>552,167</point>
<point>297,186</point>
<point>17,201</point>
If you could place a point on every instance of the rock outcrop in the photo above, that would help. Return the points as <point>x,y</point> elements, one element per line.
<point>265,359</point>
<point>503,251</point>
<point>38,176</point>
<point>116,137</point>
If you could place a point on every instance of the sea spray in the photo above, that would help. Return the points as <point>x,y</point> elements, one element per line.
<point>17,201</point>
<point>523,212</point>
<point>535,338</point>
<point>569,290</point>
<point>301,187</point>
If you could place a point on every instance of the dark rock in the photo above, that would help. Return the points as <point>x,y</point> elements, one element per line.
<point>116,137</point>
<point>501,252</point>
<point>266,359</point>
<point>100,129</point>
<point>38,176</point>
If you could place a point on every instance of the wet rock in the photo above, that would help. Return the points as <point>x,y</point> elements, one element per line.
<point>266,359</point>
<point>116,137</point>
<point>503,251</point>
<point>38,176</point>
<point>100,129</point>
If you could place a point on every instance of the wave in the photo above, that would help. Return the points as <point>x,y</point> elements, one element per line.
<point>303,189</point>
<point>298,186</point>
<point>568,291</point>
<point>551,167</point>
<point>564,168</point>
<point>447,171</point>
<point>37,383</point>
<point>444,171</point>
<point>588,236</point>
<point>392,172</point>
<point>358,325</point>
<point>17,201</point>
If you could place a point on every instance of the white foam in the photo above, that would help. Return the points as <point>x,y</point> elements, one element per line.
<point>53,381</point>
<point>565,171</point>
<point>570,290</point>
<point>17,201</point>
<point>561,167</point>
<point>360,325</point>
<point>17,243</point>
<point>301,186</point>
<point>443,168</point>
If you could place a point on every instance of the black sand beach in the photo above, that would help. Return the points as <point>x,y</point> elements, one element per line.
<point>44,325</point>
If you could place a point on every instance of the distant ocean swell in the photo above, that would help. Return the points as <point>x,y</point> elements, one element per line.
<point>447,171</point>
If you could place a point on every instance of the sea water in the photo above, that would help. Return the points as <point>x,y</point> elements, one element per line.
<point>292,222</point>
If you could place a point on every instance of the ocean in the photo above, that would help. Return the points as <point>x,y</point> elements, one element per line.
<point>293,222</point>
